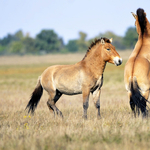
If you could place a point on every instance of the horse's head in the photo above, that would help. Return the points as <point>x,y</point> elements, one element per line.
<point>109,52</point>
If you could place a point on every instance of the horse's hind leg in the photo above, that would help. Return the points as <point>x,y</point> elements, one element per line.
<point>53,98</point>
<point>145,96</point>
<point>132,104</point>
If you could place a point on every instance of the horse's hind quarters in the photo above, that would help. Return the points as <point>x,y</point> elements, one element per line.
<point>117,61</point>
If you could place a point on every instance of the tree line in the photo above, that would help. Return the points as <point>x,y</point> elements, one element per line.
<point>48,41</point>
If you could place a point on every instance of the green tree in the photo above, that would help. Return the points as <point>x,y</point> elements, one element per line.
<point>16,47</point>
<point>29,45</point>
<point>48,41</point>
<point>81,42</point>
<point>18,35</point>
<point>11,43</point>
<point>130,37</point>
<point>2,49</point>
<point>117,40</point>
<point>72,46</point>
<point>7,39</point>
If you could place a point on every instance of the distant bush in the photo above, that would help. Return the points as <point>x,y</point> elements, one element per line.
<point>47,41</point>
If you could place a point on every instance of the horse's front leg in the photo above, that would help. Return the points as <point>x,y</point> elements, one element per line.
<point>85,94</point>
<point>96,99</point>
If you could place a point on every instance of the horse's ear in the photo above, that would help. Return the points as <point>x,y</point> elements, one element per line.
<point>102,41</point>
<point>110,40</point>
<point>134,15</point>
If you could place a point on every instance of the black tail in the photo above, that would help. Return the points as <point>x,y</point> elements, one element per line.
<point>137,97</point>
<point>142,19</point>
<point>35,98</point>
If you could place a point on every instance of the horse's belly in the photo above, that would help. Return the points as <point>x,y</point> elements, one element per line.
<point>69,87</point>
<point>68,81</point>
<point>69,90</point>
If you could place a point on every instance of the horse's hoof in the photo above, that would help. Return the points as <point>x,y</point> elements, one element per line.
<point>98,117</point>
<point>84,117</point>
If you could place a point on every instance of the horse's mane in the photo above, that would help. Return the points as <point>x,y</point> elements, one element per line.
<point>94,43</point>
<point>142,20</point>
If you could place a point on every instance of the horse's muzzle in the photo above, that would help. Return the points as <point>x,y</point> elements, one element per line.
<point>117,61</point>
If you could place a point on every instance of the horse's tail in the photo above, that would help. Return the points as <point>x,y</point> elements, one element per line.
<point>142,20</point>
<point>35,97</point>
<point>136,96</point>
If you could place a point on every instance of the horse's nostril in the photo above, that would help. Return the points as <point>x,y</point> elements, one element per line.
<point>120,61</point>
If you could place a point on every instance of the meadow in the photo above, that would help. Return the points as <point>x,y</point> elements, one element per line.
<point>117,129</point>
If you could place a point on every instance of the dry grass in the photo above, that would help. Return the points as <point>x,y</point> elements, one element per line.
<point>117,129</point>
<point>52,59</point>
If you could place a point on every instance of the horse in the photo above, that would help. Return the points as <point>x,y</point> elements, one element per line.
<point>84,77</point>
<point>137,68</point>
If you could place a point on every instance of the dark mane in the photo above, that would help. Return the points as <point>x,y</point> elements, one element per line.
<point>142,19</point>
<point>94,43</point>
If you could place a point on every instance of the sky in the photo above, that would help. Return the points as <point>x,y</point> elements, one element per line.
<point>68,17</point>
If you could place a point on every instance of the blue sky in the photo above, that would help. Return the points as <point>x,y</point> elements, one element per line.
<point>68,17</point>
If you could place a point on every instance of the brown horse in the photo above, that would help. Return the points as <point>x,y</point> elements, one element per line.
<point>83,77</point>
<point>137,68</point>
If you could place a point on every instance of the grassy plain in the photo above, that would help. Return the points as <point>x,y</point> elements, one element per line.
<point>117,129</point>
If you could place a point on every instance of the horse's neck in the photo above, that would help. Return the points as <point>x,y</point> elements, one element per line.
<point>95,63</point>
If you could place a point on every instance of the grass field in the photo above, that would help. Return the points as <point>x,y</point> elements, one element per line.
<point>116,129</point>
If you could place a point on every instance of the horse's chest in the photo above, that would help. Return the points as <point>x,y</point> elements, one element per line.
<point>98,83</point>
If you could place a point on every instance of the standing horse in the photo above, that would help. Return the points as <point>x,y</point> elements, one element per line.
<point>137,68</point>
<point>83,77</point>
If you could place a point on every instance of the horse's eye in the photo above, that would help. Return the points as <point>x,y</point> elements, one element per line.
<point>108,49</point>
